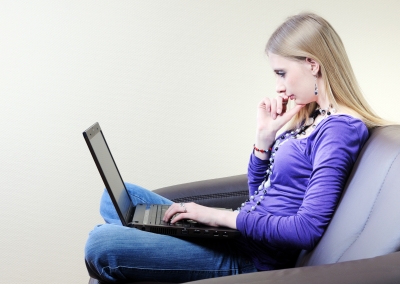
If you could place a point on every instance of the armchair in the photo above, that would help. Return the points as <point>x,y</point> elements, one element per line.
<point>362,242</point>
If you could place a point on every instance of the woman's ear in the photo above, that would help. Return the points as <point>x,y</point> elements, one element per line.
<point>314,65</point>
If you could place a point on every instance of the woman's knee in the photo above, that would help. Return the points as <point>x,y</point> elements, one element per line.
<point>99,246</point>
<point>100,243</point>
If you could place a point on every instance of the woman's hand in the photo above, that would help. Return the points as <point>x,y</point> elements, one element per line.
<point>201,214</point>
<point>272,115</point>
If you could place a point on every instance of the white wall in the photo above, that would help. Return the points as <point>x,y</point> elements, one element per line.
<point>174,85</point>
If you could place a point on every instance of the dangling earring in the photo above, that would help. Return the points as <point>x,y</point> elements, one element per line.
<point>316,87</point>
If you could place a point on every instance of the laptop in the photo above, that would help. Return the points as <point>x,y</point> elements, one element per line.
<point>143,217</point>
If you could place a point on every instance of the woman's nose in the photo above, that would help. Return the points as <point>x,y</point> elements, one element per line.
<point>280,88</point>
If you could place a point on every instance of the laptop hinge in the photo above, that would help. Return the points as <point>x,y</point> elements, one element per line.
<point>129,214</point>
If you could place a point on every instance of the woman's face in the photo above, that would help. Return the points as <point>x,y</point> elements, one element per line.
<point>294,79</point>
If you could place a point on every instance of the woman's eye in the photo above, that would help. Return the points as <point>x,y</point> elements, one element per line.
<point>280,74</point>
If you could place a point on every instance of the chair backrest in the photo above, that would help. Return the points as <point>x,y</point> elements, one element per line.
<point>367,220</point>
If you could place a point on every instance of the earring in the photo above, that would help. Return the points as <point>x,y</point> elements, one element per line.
<point>316,87</point>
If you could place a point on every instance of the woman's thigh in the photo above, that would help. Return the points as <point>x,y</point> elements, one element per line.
<point>138,195</point>
<point>114,252</point>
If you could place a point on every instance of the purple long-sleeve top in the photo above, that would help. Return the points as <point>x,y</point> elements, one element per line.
<point>308,177</point>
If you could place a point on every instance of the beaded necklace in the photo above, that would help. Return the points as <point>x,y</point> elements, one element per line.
<point>262,189</point>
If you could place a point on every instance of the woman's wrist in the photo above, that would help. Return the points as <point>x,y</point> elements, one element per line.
<point>264,138</point>
<point>262,154</point>
<point>227,218</point>
<point>262,151</point>
<point>262,146</point>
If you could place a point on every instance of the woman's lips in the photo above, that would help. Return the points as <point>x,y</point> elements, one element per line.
<point>291,97</point>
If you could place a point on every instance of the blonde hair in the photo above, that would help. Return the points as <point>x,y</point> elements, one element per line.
<point>308,35</point>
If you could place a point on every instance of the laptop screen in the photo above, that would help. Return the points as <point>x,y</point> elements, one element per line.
<point>107,168</point>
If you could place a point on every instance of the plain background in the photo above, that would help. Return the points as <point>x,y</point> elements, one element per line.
<point>174,85</point>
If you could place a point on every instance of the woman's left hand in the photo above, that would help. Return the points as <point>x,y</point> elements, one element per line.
<point>201,214</point>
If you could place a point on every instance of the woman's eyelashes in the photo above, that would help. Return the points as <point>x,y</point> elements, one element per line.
<point>280,73</point>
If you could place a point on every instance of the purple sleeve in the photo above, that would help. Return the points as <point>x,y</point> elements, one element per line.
<point>256,173</point>
<point>332,153</point>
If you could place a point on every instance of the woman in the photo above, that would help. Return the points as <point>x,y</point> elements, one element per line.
<point>295,177</point>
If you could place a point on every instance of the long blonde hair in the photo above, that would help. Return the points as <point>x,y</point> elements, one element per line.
<point>308,35</point>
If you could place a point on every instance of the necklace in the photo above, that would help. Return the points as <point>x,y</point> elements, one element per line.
<point>324,113</point>
<point>259,195</point>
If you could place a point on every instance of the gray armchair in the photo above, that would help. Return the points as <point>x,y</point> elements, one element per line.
<point>362,242</point>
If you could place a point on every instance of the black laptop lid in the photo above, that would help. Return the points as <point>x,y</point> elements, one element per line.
<point>108,170</point>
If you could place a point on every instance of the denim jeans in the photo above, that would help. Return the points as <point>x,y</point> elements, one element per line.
<point>114,252</point>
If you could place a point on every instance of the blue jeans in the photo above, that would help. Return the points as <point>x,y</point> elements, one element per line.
<point>114,252</point>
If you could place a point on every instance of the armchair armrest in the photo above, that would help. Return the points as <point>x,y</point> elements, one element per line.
<point>227,192</point>
<point>378,270</point>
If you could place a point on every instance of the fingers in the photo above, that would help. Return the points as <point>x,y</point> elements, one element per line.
<point>273,114</point>
<point>275,106</point>
<point>288,114</point>
<point>291,112</point>
<point>281,102</point>
<point>173,210</point>
<point>265,105</point>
